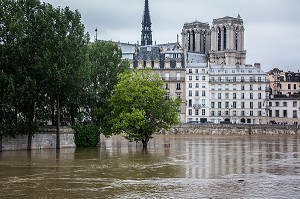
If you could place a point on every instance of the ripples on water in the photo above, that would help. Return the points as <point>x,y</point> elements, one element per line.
<point>172,167</point>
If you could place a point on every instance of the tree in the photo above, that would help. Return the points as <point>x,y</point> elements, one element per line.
<point>106,65</point>
<point>139,107</point>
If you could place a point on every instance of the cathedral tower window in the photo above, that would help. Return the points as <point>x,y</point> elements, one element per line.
<point>219,39</point>
<point>224,38</point>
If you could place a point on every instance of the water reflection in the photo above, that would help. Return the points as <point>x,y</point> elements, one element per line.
<point>174,166</point>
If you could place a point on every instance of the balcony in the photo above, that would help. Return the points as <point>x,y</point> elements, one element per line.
<point>173,79</point>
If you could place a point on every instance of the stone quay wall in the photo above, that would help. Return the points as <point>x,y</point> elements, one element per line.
<point>233,129</point>
<point>44,139</point>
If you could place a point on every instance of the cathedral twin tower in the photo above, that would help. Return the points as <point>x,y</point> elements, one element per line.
<point>223,41</point>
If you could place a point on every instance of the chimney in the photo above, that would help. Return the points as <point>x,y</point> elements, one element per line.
<point>257,65</point>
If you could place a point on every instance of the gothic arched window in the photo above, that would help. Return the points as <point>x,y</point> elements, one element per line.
<point>224,37</point>
<point>219,39</point>
<point>236,39</point>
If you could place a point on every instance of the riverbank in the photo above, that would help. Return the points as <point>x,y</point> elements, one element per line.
<point>233,129</point>
<point>46,137</point>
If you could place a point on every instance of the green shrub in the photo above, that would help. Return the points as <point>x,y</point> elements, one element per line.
<point>86,135</point>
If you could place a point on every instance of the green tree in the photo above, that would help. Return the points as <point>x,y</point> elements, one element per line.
<point>106,65</point>
<point>139,106</point>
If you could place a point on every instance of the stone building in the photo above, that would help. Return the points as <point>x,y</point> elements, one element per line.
<point>284,99</point>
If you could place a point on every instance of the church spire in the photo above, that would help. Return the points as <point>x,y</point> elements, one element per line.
<point>146,26</point>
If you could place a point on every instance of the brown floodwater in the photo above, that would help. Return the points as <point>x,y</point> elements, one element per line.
<point>174,166</point>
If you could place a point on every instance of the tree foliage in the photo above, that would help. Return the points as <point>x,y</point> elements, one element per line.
<point>43,63</point>
<point>86,135</point>
<point>106,64</point>
<point>139,106</point>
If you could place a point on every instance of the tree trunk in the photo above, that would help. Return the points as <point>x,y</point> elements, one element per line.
<point>58,123</point>
<point>29,141</point>
<point>53,114</point>
<point>145,143</point>
<point>1,143</point>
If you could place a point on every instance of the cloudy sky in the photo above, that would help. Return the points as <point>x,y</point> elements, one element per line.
<point>272,27</point>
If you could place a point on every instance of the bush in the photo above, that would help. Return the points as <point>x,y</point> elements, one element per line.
<point>86,135</point>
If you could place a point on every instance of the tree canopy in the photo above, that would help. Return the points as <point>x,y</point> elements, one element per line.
<point>139,107</point>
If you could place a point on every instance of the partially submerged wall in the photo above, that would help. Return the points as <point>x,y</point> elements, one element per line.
<point>46,139</point>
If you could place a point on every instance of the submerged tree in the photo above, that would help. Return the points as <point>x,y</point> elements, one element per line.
<point>140,108</point>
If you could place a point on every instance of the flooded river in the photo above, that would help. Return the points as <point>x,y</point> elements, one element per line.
<point>174,166</point>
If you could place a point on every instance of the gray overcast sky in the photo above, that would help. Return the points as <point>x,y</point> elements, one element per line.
<point>272,27</point>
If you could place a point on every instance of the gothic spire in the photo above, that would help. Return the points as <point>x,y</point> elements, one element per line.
<point>146,26</point>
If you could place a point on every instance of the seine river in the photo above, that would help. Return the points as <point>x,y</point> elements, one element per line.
<point>174,166</point>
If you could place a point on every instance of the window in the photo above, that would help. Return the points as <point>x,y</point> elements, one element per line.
<point>259,95</point>
<point>294,114</point>
<point>219,113</point>
<point>243,105</point>
<point>295,86</point>
<point>276,113</point>
<point>219,104</point>
<point>284,113</point>
<point>277,104</point>
<point>167,87</point>
<point>251,87</point>
<point>270,103</point>
<point>190,77</point>
<point>219,86</point>
<point>219,79</point>
<point>167,96</point>
<point>178,87</point>
<point>196,111</point>
<point>294,104</point>
<point>226,104</point>
<point>242,95</point>
<point>212,104</point>
<point>203,103</point>
<point>219,95</point>
<point>234,79</point>
<point>285,104</point>
<point>212,96</point>
<point>203,85</point>
<point>190,93</point>
<point>251,113</point>
<point>203,78</point>
<point>251,95</point>
<point>212,79</point>
<point>196,71</point>
<point>242,87</point>
<point>178,96</point>
<point>203,93</point>
<point>226,95</point>
<point>242,79</point>
<point>259,87</point>
<point>190,70</point>
<point>234,105</point>
<point>197,85</point>
<point>259,113</point>
<point>270,113</point>
<point>289,86</point>
<point>190,111</point>
<point>234,95</point>
<point>213,113</point>
<point>227,87</point>
<point>259,79</point>
<point>212,87</point>
<point>251,105</point>
<point>196,93</point>
<point>243,113</point>
<point>203,70</point>
<point>259,105</point>
<point>197,77</point>
<point>190,85</point>
<point>203,112</point>
<point>234,86</point>
<point>190,103</point>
